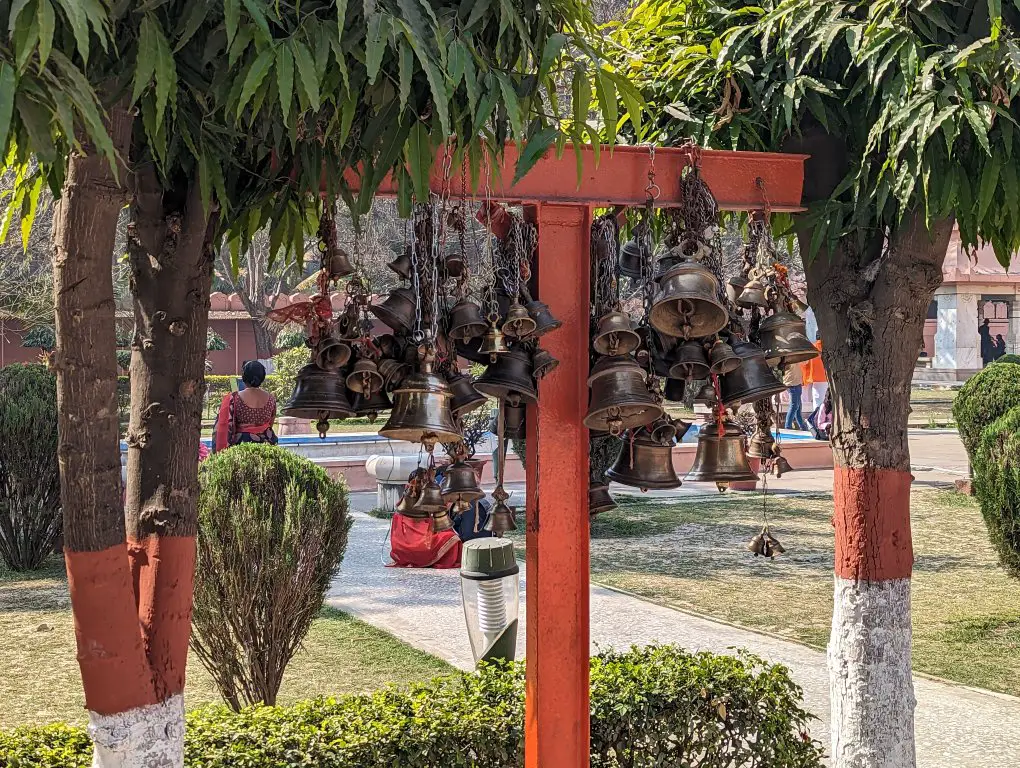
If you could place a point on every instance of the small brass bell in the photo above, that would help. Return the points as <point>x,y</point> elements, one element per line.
<point>514,420</point>
<point>318,395</point>
<point>686,305</point>
<point>509,376</point>
<point>721,458</point>
<point>407,505</point>
<point>784,340</point>
<point>760,446</point>
<point>544,319</point>
<point>644,463</point>
<point>753,295</point>
<point>402,265</point>
<point>689,361</point>
<point>675,390</point>
<point>682,428</point>
<point>518,324</point>
<point>465,397</point>
<point>722,359</point>
<point>421,411</point>
<point>364,377</point>
<point>663,430</point>
<point>599,499</point>
<point>454,265</point>
<point>693,249</point>
<point>393,372</point>
<point>501,519</point>
<point>332,354</point>
<point>619,396</point>
<point>542,363</point>
<point>431,499</point>
<point>466,321</point>
<point>631,259</point>
<point>493,344</point>
<point>615,335</point>
<point>470,350</point>
<point>372,405</point>
<point>765,544</point>
<point>460,483</point>
<point>754,380</point>
<point>338,263</point>
<point>734,287</point>
<point>441,521</point>
<point>397,310</point>
<point>706,395</point>
<point>782,466</point>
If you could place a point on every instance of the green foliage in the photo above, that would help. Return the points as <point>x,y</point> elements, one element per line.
<point>602,452</point>
<point>921,98</point>
<point>289,338</point>
<point>214,342</point>
<point>124,360</point>
<point>41,337</point>
<point>1009,359</point>
<point>985,397</point>
<point>997,485</point>
<point>29,472</point>
<point>272,532</point>
<point>658,706</point>
<point>285,370</point>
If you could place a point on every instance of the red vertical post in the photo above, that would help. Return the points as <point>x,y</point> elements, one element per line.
<point>556,711</point>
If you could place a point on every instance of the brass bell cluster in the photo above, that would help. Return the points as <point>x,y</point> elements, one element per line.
<point>425,498</point>
<point>765,544</point>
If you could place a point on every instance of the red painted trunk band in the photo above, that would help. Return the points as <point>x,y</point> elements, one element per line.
<point>872,522</point>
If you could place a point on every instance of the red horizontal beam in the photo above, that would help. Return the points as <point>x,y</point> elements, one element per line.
<point>621,178</point>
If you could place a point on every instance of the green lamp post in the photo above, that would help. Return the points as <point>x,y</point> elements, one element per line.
<point>490,589</point>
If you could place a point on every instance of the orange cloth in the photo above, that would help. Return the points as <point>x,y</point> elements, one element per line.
<point>813,370</point>
<point>413,544</point>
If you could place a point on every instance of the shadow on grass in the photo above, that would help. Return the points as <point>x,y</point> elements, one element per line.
<point>44,589</point>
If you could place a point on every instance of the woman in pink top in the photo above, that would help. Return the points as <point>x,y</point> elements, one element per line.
<point>246,416</point>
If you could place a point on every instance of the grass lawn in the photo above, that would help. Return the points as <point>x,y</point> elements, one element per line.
<point>41,683</point>
<point>966,611</point>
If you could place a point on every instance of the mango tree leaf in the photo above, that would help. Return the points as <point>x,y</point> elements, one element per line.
<point>145,59</point>
<point>285,80</point>
<point>28,217</point>
<point>533,151</point>
<point>190,22</point>
<point>79,26</point>
<point>306,73</point>
<point>166,75</point>
<point>253,79</point>
<point>16,8</point>
<point>47,22</point>
<point>375,43</point>
<point>231,18</point>
<point>419,159</point>
<point>8,86</point>
<point>406,63</point>
<point>254,8</point>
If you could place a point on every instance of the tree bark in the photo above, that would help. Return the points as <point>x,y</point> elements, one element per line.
<point>870,303</point>
<point>263,338</point>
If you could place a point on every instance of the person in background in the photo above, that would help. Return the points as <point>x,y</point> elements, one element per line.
<point>816,382</point>
<point>987,345</point>
<point>823,421</point>
<point>246,416</point>
<point>1000,346</point>
<point>793,378</point>
<point>414,543</point>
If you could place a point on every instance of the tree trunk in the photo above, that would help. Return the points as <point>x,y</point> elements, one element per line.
<point>871,303</point>
<point>263,339</point>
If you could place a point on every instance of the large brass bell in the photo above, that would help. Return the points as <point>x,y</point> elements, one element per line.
<point>402,265</point>
<point>722,359</point>
<point>331,354</point>
<point>466,321</point>
<point>460,483</point>
<point>689,361</point>
<point>421,411</point>
<point>518,324</point>
<point>542,363</point>
<point>509,377</point>
<point>760,446</point>
<point>501,520</point>
<point>465,397</point>
<point>599,499</point>
<point>397,310</point>
<point>615,334</point>
<point>754,380</point>
<point>721,458</point>
<point>631,259</point>
<point>372,405</point>
<point>784,340</point>
<point>364,377</point>
<point>686,305</point>
<point>393,372</point>
<point>515,420</point>
<point>493,344</point>
<point>543,317</point>
<point>644,463</point>
<point>319,395</point>
<point>752,295</point>
<point>619,396</point>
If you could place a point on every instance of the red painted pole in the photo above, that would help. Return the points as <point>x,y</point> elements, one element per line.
<point>556,710</point>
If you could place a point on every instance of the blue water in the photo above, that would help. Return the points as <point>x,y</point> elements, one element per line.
<point>692,434</point>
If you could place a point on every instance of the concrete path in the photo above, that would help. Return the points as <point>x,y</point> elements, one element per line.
<point>956,727</point>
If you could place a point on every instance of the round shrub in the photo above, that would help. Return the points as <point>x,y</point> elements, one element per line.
<point>997,485</point>
<point>272,532</point>
<point>29,471</point>
<point>986,396</point>
<point>1009,359</point>
<point>657,706</point>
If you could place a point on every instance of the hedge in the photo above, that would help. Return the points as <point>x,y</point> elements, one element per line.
<point>657,706</point>
<point>1009,359</point>
<point>997,486</point>
<point>986,396</point>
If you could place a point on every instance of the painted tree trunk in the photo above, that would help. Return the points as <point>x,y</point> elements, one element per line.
<point>871,304</point>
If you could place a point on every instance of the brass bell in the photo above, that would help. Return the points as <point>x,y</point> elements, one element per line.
<point>431,499</point>
<point>544,319</point>
<point>493,344</point>
<point>631,259</point>
<point>509,377</point>
<point>686,305</point>
<point>466,321</point>
<point>441,521</point>
<point>338,263</point>
<point>615,334</point>
<point>782,466</point>
<point>542,363</point>
<point>753,295</point>
<point>515,420</point>
<point>689,361</point>
<point>599,499</point>
<point>663,430</point>
<point>644,463</point>
<point>465,397</point>
<point>518,324</point>
<point>397,310</point>
<point>734,287</point>
<point>799,305</point>
<point>619,396</point>
<point>318,395</point>
<point>693,249</point>
<point>706,395</point>
<point>722,358</point>
<point>754,380</point>
<point>501,519</point>
<point>675,390</point>
<point>784,340</point>
<point>721,458</point>
<point>469,350</point>
<point>372,405</point>
<point>364,377</point>
<point>760,446</point>
<point>402,265</point>
<point>460,483</point>
<point>421,411</point>
<point>331,354</point>
<point>453,265</point>
<point>392,372</point>
<point>682,428</point>
<point>765,544</point>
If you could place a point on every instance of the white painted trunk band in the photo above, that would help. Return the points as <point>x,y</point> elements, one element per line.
<point>144,737</point>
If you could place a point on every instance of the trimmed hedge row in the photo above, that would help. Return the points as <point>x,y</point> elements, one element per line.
<point>657,706</point>
<point>997,486</point>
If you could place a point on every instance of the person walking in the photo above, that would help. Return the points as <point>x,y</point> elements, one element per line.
<point>987,345</point>
<point>793,378</point>
<point>816,382</point>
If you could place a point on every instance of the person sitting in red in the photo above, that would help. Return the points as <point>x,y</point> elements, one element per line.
<point>246,416</point>
<point>414,543</point>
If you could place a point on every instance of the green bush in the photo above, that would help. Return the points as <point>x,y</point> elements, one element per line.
<point>29,472</point>
<point>41,337</point>
<point>214,342</point>
<point>986,396</point>
<point>290,337</point>
<point>272,532</point>
<point>997,486</point>
<point>1009,359</point>
<point>285,370</point>
<point>659,706</point>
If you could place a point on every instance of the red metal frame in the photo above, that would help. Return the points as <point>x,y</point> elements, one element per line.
<point>557,708</point>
